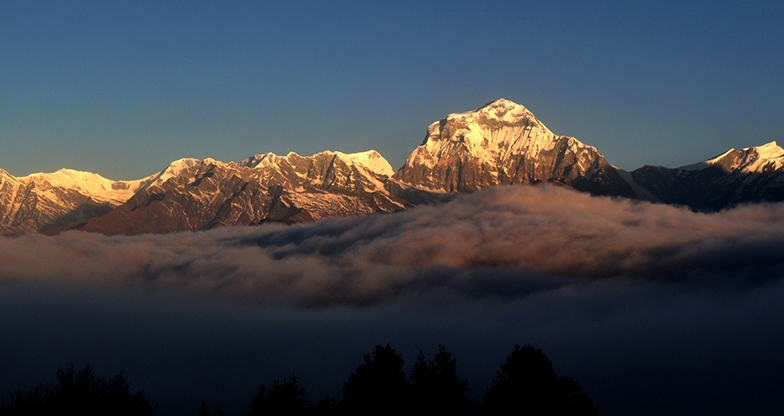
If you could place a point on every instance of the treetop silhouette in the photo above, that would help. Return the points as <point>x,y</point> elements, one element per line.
<point>80,392</point>
<point>378,384</point>
<point>526,383</point>
<point>284,398</point>
<point>435,386</point>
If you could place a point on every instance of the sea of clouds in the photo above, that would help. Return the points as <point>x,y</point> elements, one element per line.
<point>655,309</point>
<point>502,242</point>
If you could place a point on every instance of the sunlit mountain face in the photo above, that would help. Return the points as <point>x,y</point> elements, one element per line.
<point>658,289</point>
<point>501,143</point>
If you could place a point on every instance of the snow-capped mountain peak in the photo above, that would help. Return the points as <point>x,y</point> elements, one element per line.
<point>193,195</point>
<point>508,111</point>
<point>769,150</point>
<point>757,159</point>
<point>41,201</point>
<point>491,133</point>
<point>371,160</point>
<point>260,160</point>
<point>502,143</point>
<point>499,127</point>
<point>174,169</point>
<point>98,188</point>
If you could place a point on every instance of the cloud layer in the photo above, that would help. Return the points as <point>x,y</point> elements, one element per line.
<point>655,309</point>
<point>502,242</point>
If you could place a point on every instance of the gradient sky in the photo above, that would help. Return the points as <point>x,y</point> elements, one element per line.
<point>124,88</point>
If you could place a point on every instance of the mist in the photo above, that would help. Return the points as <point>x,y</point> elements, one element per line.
<point>655,309</point>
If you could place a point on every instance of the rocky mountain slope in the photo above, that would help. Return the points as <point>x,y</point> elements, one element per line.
<point>43,201</point>
<point>754,174</point>
<point>198,195</point>
<point>503,143</point>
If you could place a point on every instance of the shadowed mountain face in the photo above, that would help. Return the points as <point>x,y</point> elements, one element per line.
<point>751,175</point>
<point>503,143</point>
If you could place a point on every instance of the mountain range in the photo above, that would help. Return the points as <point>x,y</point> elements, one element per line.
<point>501,143</point>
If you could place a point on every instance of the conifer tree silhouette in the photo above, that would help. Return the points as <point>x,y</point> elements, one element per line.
<point>203,411</point>
<point>378,385</point>
<point>327,406</point>
<point>526,384</point>
<point>80,392</point>
<point>435,386</point>
<point>286,398</point>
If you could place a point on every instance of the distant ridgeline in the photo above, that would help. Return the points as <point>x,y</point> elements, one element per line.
<point>501,143</point>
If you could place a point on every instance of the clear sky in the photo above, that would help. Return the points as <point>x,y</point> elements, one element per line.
<point>124,88</point>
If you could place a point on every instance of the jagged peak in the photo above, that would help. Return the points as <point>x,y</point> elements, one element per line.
<point>370,160</point>
<point>495,130</point>
<point>500,110</point>
<point>175,168</point>
<point>501,103</point>
<point>259,160</point>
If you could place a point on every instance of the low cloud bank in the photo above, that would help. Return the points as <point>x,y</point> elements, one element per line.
<point>655,309</point>
<point>499,243</point>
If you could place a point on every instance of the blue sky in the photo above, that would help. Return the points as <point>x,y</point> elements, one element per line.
<point>123,88</point>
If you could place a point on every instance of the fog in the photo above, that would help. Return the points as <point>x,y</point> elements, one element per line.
<point>655,309</point>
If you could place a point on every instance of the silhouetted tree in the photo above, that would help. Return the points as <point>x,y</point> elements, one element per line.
<point>378,385</point>
<point>203,411</point>
<point>327,406</point>
<point>435,387</point>
<point>286,398</point>
<point>220,411</point>
<point>527,384</point>
<point>259,403</point>
<point>80,392</point>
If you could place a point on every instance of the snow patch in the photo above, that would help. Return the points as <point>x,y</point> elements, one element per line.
<point>641,192</point>
<point>370,160</point>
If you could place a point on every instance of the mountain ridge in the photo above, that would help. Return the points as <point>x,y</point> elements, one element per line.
<point>289,188</point>
<point>500,143</point>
